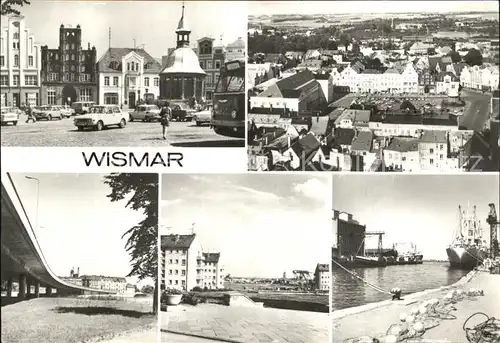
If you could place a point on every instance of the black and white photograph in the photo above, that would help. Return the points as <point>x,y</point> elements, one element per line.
<point>123,73</point>
<point>79,258</point>
<point>245,258</point>
<point>373,86</point>
<point>415,258</point>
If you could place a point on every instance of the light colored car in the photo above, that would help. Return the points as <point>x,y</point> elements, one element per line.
<point>82,107</point>
<point>203,116</point>
<point>101,116</point>
<point>9,115</point>
<point>66,111</point>
<point>47,112</point>
<point>145,113</point>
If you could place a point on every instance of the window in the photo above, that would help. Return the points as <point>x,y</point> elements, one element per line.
<point>66,46</point>
<point>183,262</point>
<point>183,273</point>
<point>51,96</point>
<point>72,57</point>
<point>82,69</point>
<point>16,35</point>
<point>73,46</point>
<point>170,272</point>
<point>431,151</point>
<point>85,94</point>
<point>4,80</point>
<point>53,77</point>
<point>209,64</point>
<point>2,61</point>
<point>30,61</point>
<point>111,98</point>
<point>146,81</point>
<point>30,80</point>
<point>106,80</point>
<point>16,80</point>
<point>82,57</point>
<point>176,272</point>
<point>16,60</point>
<point>66,57</point>
<point>431,161</point>
<point>73,68</point>
<point>137,67</point>
<point>115,81</point>
<point>72,77</point>
<point>217,64</point>
<point>176,261</point>
<point>128,66</point>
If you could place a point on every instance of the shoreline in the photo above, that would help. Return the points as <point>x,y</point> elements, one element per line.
<point>406,300</point>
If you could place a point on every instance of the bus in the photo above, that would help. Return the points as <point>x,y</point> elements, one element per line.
<point>228,114</point>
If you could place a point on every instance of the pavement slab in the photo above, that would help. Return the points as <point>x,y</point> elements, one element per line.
<point>62,133</point>
<point>247,324</point>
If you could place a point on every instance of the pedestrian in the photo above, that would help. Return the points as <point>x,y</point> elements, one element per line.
<point>29,113</point>
<point>165,117</point>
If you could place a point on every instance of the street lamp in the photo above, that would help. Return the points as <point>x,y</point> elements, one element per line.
<point>37,195</point>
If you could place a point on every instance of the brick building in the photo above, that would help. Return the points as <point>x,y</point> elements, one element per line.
<point>69,72</point>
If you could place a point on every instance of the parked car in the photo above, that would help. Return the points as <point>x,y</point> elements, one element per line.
<point>145,113</point>
<point>67,111</point>
<point>182,112</point>
<point>47,112</point>
<point>101,116</point>
<point>82,107</point>
<point>203,117</point>
<point>9,115</point>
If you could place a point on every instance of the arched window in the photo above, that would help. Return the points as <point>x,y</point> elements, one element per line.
<point>72,46</point>
<point>56,56</point>
<point>16,60</point>
<point>66,77</point>
<point>82,69</point>
<point>66,57</point>
<point>137,67</point>
<point>72,57</point>
<point>73,68</point>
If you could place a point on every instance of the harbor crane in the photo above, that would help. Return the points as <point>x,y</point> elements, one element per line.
<point>492,220</point>
<point>379,234</point>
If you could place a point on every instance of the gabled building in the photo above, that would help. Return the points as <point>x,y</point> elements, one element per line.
<point>69,72</point>
<point>433,150</point>
<point>447,83</point>
<point>211,59</point>
<point>304,151</point>
<point>322,277</point>
<point>402,154</point>
<point>236,50</point>
<point>20,64</point>
<point>127,76</point>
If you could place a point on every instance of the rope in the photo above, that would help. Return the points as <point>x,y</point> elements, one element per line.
<point>359,278</point>
<point>485,332</point>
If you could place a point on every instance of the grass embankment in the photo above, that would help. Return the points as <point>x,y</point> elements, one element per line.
<point>71,320</point>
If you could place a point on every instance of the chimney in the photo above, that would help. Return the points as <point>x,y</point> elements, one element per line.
<point>78,272</point>
<point>176,239</point>
<point>349,217</point>
<point>89,46</point>
<point>71,272</point>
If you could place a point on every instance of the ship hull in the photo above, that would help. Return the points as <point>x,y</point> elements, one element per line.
<point>464,258</point>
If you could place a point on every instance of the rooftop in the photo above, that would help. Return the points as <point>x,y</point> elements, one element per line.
<point>432,136</point>
<point>173,241</point>
<point>403,144</point>
<point>363,141</point>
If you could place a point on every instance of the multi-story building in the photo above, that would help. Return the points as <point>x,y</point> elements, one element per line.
<point>126,76</point>
<point>211,60</point>
<point>184,264</point>
<point>349,237</point>
<point>447,83</point>
<point>322,277</point>
<point>69,72</point>
<point>106,283</point>
<point>433,149</point>
<point>20,64</point>
<point>480,77</point>
<point>401,154</point>
<point>235,50</point>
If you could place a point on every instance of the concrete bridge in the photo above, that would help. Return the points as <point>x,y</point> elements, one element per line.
<point>22,258</point>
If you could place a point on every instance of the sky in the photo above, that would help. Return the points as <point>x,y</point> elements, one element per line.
<point>263,225</point>
<point>152,23</point>
<point>422,209</point>
<point>78,226</point>
<point>369,7</point>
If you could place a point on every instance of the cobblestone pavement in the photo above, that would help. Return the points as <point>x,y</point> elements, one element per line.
<point>377,320</point>
<point>247,324</point>
<point>147,336</point>
<point>62,133</point>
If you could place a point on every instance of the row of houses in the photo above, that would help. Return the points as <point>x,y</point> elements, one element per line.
<point>34,74</point>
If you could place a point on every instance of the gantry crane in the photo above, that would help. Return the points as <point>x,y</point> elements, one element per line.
<point>492,220</point>
<point>380,234</point>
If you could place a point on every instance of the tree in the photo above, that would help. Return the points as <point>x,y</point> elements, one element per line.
<point>141,193</point>
<point>7,6</point>
<point>473,58</point>
<point>455,57</point>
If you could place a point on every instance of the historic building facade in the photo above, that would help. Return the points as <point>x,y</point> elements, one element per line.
<point>20,63</point>
<point>126,76</point>
<point>69,72</point>
<point>211,60</point>
<point>182,77</point>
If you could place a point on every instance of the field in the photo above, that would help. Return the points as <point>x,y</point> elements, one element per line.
<point>71,320</point>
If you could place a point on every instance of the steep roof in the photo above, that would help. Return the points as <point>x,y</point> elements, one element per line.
<point>211,257</point>
<point>402,144</point>
<point>320,125</point>
<point>433,136</point>
<point>363,141</point>
<point>289,86</point>
<point>306,146</point>
<point>239,43</point>
<point>344,136</point>
<point>322,267</point>
<point>111,61</point>
<point>173,241</point>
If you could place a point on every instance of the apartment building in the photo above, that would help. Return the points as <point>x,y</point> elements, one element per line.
<point>20,64</point>
<point>322,277</point>
<point>184,265</point>
<point>211,59</point>
<point>106,283</point>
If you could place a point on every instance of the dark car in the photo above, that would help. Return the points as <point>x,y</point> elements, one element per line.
<point>182,112</point>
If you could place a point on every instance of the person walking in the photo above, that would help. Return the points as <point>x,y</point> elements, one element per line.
<point>166,116</point>
<point>29,113</point>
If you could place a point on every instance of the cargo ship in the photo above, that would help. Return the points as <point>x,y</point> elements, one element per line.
<point>468,249</point>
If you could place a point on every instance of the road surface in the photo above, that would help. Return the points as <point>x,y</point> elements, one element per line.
<point>62,133</point>
<point>477,111</point>
<point>167,337</point>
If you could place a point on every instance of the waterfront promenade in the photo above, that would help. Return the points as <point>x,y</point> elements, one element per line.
<point>374,319</point>
<point>246,324</point>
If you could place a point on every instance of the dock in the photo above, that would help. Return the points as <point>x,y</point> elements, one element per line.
<point>376,318</point>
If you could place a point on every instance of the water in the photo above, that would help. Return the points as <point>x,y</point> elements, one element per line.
<point>347,291</point>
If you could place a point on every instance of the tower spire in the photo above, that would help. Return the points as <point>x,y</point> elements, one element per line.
<point>182,30</point>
